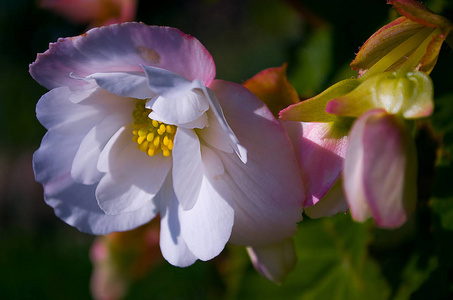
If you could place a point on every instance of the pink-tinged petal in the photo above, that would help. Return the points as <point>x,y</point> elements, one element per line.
<point>125,84</point>
<point>333,202</point>
<point>314,109</point>
<point>76,11</point>
<point>133,179</point>
<point>417,37</point>
<point>174,248</point>
<point>75,203</point>
<point>122,48</point>
<point>95,12</point>
<point>320,148</point>
<point>419,13</point>
<point>187,167</point>
<point>273,88</point>
<point>378,166</point>
<point>120,258</point>
<point>206,227</point>
<point>268,190</point>
<point>274,261</point>
<point>128,10</point>
<point>84,167</point>
<point>384,41</point>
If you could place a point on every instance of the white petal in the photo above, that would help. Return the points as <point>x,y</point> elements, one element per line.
<point>268,190</point>
<point>56,112</point>
<point>214,135</point>
<point>212,165</point>
<point>199,123</point>
<point>75,203</point>
<point>84,168</point>
<point>333,202</point>
<point>274,261</point>
<point>54,157</point>
<point>125,84</point>
<point>267,207</point>
<point>187,167</point>
<point>81,93</point>
<point>218,112</point>
<point>206,227</point>
<point>133,179</point>
<point>172,244</point>
<point>107,154</point>
<point>177,110</point>
<point>166,83</point>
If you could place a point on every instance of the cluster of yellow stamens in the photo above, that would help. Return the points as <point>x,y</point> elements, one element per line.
<point>151,136</point>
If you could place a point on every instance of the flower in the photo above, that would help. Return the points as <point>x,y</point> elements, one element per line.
<point>95,12</point>
<point>378,173</point>
<point>137,126</point>
<point>274,261</point>
<point>320,140</point>
<point>374,153</point>
<point>418,34</point>
<point>271,86</point>
<point>121,258</point>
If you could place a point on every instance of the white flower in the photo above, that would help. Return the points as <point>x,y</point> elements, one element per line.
<point>137,127</point>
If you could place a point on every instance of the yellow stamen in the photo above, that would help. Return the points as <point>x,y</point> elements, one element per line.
<point>151,136</point>
<point>156,141</point>
<point>166,152</point>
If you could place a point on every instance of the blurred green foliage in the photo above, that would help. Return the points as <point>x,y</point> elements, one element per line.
<point>42,258</point>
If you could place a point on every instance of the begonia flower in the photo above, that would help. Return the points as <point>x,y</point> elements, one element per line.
<point>137,126</point>
<point>393,87</point>
<point>320,140</point>
<point>275,261</point>
<point>271,86</point>
<point>93,12</point>
<point>377,163</point>
<point>379,175</point>
<point>416,36</point>
<point>121,258</point>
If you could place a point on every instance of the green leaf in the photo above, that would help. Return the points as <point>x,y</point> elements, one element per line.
<point>333,264</point>
<point>314,63</point>
<point>413,276</point>
<point>442,201</point>
<point>442,121</point>
<point>444,208</point>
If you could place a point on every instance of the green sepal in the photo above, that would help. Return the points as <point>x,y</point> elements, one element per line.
<point>313,109</point>
<point>407,94</point>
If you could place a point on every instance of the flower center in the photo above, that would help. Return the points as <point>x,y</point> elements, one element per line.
<point>150,135</point>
